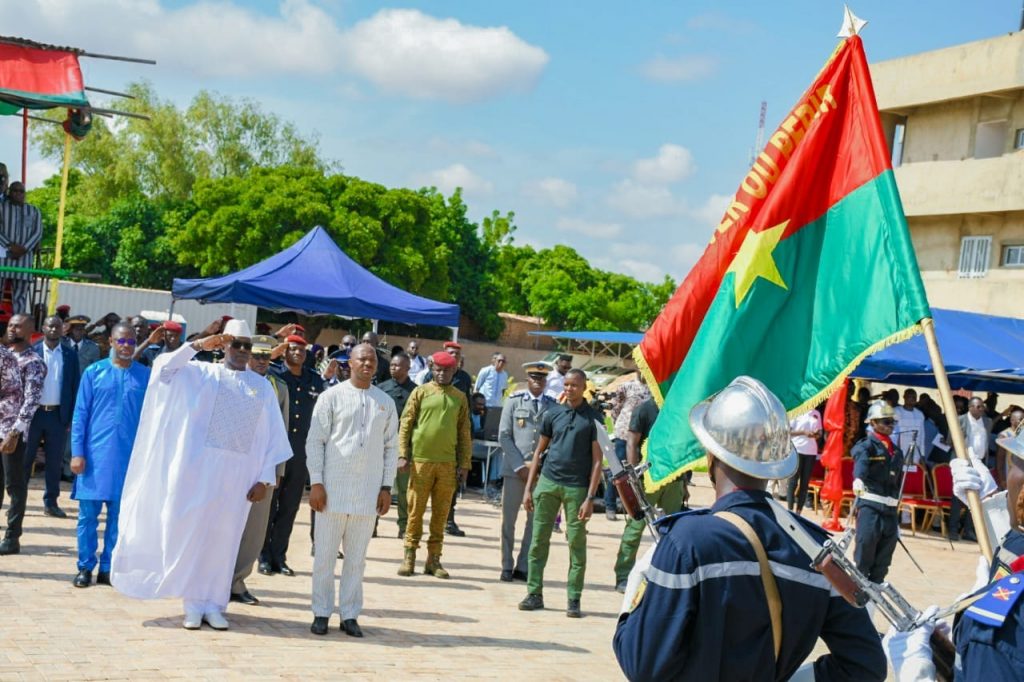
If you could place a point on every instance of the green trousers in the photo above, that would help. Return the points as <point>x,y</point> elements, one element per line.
<point>670,499</point>
<point>402,491</point>
<point>548,498</point>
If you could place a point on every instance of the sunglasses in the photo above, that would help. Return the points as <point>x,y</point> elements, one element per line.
<point>349,345</point>
<point>125,342</point>
<point>886,422</point>
<point>241,345</point>
<point>261,356</point>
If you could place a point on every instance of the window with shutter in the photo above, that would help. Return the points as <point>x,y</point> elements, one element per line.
<point>974,257</point>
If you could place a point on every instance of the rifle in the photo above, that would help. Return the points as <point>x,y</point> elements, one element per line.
<point>831,561</point>
<point>629,483</point>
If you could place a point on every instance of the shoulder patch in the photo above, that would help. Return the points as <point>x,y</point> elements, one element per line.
<point>997,601</point>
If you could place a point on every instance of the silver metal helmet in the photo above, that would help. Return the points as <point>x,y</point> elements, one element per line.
<point>881,410</point>
<point>746,427</point>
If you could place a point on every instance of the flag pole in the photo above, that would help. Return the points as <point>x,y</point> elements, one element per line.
<point>55,283</point>
<point>955,434</point>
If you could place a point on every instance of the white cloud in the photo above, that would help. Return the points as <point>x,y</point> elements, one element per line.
<point>405,52</point>
<point>588,228</point>
<point>448,179</point>
<point>642,270</point>
<point>642,201</point>
<point>710,213</point>
<point>672,164</point>
<point>39,170</point>
<point>678,69</point>
<point>717,21</point>
<point>554,191</point>
<point>410,53</point>
<point>684,256</point>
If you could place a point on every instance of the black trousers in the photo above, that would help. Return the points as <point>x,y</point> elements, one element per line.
<point>877,532</point>
<point>960,518</point>
<point>800,481</point>
<point>12,470</point>
<point>283,507</point>
<point>47,428</point>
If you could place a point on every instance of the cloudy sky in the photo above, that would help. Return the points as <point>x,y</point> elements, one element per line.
<point>618,128</point>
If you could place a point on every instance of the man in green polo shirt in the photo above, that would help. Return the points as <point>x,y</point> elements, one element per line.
<point>566,476</point>
<point>435,445</point>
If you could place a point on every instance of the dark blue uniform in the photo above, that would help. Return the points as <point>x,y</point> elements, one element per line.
<point>994,652</point>
<point>703,614</point>
<point>877,522</point>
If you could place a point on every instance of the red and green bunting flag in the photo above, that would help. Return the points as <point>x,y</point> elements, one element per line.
<point>37,78</point>
<point>810,270</point>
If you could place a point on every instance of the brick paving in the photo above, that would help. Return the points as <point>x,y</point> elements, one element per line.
<point>419,627</point>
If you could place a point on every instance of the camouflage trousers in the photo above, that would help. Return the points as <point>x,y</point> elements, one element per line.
<point>433,482</point>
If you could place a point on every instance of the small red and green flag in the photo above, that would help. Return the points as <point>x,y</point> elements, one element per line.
<point>810,270</point>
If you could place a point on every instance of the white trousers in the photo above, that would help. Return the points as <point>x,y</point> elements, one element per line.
<point>352,534</point>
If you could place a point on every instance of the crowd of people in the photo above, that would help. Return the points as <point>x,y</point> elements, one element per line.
<point>197,451</point>
<point>228,429</point>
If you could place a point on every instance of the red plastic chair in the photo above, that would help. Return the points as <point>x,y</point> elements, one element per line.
<point>915,498</point>
<point>816,482</point>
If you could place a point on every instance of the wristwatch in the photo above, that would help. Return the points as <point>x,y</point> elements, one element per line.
<point>592,498</point>
<point>385,488</point>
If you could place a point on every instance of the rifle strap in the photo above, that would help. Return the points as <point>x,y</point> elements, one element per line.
<point>771,589</point>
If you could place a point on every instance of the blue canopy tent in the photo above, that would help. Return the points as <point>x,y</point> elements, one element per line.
<point>315,277</point>
<point>980,352</point>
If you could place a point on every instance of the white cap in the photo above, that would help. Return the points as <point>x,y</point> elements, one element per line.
<point>237,327</point>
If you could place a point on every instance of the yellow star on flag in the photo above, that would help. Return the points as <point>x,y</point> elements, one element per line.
<point>754,259</point>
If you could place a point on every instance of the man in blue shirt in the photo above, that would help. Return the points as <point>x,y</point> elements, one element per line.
<point>103,431</point>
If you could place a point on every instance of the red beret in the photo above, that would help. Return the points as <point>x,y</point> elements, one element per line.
<point>295,338</point>
<point>64,308</point>
<point>442,359</point>
<point>452,344</point>
<point>172,326</point>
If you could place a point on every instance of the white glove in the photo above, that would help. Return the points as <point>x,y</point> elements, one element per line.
<point>909,653</point>
<point>981,572</point>
<point>858,486</point>
<point>973,476</point>
<point>636,577</point>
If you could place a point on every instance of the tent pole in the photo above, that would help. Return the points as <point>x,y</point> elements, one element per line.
<point>375,324</point>
<point>55,283</point>
<point>955,434</point>
<point>24,146</point>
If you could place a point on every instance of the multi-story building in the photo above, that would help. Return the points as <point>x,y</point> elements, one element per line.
<point>955,122</point>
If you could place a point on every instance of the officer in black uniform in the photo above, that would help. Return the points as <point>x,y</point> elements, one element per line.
<point>989,633</point>
<point>304,387</point>
<point>878,476</point>
<point>698,606</point>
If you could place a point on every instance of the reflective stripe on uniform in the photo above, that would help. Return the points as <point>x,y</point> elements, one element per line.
<point>686,581</point>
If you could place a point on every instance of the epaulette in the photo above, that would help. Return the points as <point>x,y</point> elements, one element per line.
<point>1000,597</point>
<point>518,394</point>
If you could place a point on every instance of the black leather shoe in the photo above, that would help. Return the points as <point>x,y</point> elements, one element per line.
<point>54,511</point>
<point>351,628</point>
<point>83,579</point>
<point>9,546</point>
<point>67,478</point>
<point>319,626</point>
<point>506,576</point>
<point>573,609</point>
<point>103,578</point>
<point>533,602</point>
<point>266,568</point>
<point>519,575</point>
<point>286,569</point>
<point>340,555</point>
<point>246,597</point>
<point>453,529</point>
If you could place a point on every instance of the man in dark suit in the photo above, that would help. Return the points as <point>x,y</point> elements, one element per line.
<point>56,405</point>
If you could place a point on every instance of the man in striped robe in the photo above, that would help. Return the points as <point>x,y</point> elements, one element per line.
<point>21,230</point>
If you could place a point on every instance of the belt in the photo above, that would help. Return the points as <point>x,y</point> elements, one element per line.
<point>49,408</point>
<point>880,499</point>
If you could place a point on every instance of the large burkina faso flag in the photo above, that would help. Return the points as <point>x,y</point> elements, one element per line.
<point>810,270</point>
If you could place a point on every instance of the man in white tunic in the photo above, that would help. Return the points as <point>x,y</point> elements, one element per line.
<point>352,456</point>
<point>209,440</point>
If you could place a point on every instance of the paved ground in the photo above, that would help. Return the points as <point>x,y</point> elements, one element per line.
<point>420,627</point>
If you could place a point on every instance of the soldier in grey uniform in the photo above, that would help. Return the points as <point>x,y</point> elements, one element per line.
<point>518,434</point>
